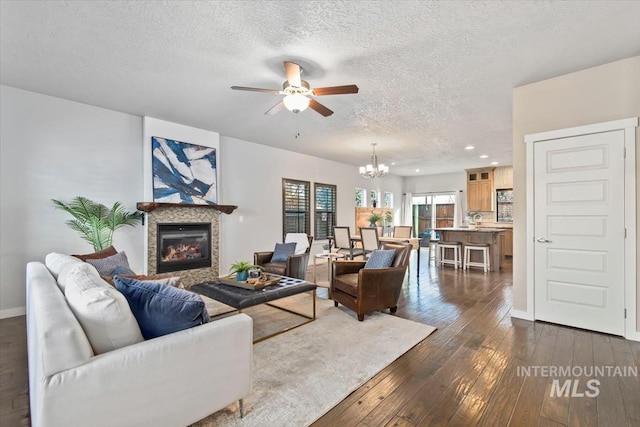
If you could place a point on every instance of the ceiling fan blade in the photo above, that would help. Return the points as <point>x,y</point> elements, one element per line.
<point>293,73</point>
<point>255,89</point>
<point>315,105</point>
<point>335,90</point>
<point>279,106</point>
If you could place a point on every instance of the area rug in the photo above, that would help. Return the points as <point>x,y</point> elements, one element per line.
<point>301,374</point>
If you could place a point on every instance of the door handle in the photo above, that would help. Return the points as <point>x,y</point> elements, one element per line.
<point>543,240</point>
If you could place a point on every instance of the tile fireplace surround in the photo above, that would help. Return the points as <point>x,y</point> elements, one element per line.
<point>175,213</point>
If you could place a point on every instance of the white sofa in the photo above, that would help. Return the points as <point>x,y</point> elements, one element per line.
<point>173,380</point>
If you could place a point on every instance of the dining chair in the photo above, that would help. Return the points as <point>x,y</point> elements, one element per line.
<point>343,244</point>
<point>402,231</point>
<point>370,240</point>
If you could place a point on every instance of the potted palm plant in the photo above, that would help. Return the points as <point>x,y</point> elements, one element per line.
<point>374,218</point>
<point>95,222</point>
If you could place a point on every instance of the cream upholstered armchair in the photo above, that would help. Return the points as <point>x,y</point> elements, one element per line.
<point>364,290</point>
<point>293,265</point>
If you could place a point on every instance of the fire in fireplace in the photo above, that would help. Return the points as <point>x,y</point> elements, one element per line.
<point>183,246</point>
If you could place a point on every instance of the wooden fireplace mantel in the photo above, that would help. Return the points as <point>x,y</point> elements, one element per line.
<point>151,206</point>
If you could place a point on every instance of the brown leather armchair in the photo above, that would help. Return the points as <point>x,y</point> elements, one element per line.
<point>365,290</point>
<point>295,266</point>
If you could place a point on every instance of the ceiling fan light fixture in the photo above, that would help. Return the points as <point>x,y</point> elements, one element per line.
<point>298,91</point>
<point>296,102</point>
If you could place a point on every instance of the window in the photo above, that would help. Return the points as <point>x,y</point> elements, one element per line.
<point>504,200</point>
<point>325,212</point>
<point>296,215</point>
<point>433,211</point>
<point>361,197</point>
<point>387,201</point>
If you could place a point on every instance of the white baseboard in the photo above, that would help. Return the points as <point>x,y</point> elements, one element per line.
<point>524,315</point>
<point>633,336</point>
<point>519,314</point>
<point>13,312</point>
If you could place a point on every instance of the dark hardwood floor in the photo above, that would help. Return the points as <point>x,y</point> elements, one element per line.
<point>14,386</point>
<point>469,372</point>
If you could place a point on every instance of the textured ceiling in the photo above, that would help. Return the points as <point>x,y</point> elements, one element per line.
<point>434,77</point>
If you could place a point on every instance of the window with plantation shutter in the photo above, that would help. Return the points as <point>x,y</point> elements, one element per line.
<point>325,213</point>
<point>296,206</point>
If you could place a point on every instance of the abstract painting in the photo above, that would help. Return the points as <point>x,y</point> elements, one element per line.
<point>183,172</point>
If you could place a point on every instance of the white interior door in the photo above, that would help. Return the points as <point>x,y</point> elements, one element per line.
<point>579,231</point>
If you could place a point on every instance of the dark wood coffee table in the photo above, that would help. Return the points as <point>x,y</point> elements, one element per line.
<point>240,298</point>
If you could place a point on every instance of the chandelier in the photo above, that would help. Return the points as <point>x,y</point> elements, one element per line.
<point>374,170</point>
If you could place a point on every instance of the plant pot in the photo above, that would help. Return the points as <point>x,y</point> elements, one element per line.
<point>241,276</point>
<point>325,251</point>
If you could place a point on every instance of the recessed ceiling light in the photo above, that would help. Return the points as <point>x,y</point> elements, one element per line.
<point>484,156</point>
<point>494,163</point>
<point>393,163</point>
<point>469,147</point>
<point>417,170</point>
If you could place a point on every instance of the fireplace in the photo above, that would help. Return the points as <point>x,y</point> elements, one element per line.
<point>183,246</point>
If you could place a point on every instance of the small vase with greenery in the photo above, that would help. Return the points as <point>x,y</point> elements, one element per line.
<point>95,222</point>
<point>326,248</point>
<point>374,218</point>
<point>388,218</point>
<point>388,222</point>
<point>241,268</point>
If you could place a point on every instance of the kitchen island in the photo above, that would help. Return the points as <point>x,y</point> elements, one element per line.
<point>478,235</point>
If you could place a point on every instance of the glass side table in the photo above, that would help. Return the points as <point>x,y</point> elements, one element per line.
<point>330,257</point>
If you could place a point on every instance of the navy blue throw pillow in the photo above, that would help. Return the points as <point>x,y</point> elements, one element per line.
<point>161,309</point>
<point>282,251</point>
<point>380,258</point>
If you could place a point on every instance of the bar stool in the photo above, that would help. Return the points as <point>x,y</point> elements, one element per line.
<point>482,247</point>
<point>456,261</point>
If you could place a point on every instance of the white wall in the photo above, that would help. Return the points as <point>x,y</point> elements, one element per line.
<point>251,178</point>
<point>599,94</point>
<point>436,183</point>
<point>51,148</point>
<point>55,148</point>
<point>444,182</point>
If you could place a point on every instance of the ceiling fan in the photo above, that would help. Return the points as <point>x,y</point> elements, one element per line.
<point>297,92</point>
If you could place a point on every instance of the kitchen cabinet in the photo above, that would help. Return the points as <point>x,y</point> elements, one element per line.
<point>492,236</point>
<point>507,242</point>
<point>503,177</point>
<point>480,190</point>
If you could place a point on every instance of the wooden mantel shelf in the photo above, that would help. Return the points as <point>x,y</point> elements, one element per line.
<point>151,206</point>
